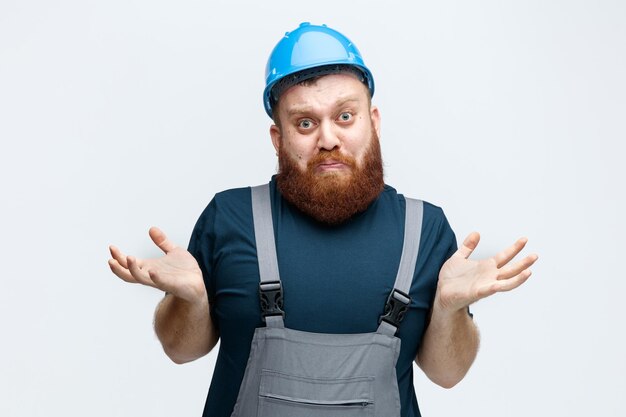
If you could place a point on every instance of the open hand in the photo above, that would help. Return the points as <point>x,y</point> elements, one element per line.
<point>463,281</point>
<point>176,272</point>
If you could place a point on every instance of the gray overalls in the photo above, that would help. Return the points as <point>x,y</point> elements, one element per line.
<point>293,373</point>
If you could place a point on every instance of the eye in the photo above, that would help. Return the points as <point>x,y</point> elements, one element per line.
<point>345,116</point>
<point>305,124</point>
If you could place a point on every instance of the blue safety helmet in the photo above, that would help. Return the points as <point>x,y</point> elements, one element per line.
<point>310,51</point>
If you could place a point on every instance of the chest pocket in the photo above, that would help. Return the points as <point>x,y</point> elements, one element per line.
<point>295,396</point>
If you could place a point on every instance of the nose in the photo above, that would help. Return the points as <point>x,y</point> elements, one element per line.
<point>328,138</point>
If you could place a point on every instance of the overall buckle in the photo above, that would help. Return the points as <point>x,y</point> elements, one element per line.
<point>397,304</point>
<point>271,295</point>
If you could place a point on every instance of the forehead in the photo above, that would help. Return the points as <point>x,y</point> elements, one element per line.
<point>325,92</point>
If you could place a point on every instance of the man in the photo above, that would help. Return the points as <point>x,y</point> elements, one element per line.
<point>338,231</point>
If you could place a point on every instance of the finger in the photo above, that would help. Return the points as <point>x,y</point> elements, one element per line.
<point>121,272</point>
<point>139,274</point>
<point>468,246</point>
<point>511,271</point>
<point>509,253</point>
<point>159,239</point>
<point>118,256</point>
<point>512,283</point>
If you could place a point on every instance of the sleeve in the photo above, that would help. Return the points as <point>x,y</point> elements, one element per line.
<point>450,238</point>
<point>201,246</point>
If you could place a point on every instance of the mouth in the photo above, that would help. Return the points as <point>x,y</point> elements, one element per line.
<point>331,165</point>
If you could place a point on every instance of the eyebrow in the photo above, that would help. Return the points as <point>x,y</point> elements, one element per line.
<point>296,110</point>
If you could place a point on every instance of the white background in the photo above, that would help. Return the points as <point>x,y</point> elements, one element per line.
<point>118,115</point>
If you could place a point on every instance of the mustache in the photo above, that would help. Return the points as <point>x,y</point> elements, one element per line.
<point>332,155</point>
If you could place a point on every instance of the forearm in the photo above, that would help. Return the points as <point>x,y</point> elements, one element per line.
<point>449,346</point>
<point>184,329</point>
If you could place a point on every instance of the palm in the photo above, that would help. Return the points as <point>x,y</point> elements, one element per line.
<point>463,281</point>
<point>176,272</point>
<point>178,268</point>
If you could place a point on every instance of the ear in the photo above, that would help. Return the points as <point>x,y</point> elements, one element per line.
<point>375,116</point>
<point>275,135</point>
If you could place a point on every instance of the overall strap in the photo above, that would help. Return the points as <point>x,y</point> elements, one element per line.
<point>270,288</point>
<point>399,299</point>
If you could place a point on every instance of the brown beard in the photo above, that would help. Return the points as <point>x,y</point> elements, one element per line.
<point>332,197</point>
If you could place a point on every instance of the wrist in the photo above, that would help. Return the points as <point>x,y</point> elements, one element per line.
<point>446,308</point>
<point>187,300</point>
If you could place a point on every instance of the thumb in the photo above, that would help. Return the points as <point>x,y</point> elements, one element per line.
<point>469,244</point>
<point>159,239</point>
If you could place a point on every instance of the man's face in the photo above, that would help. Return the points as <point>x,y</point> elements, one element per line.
<point>333,113</point>
<point>330,165</point>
